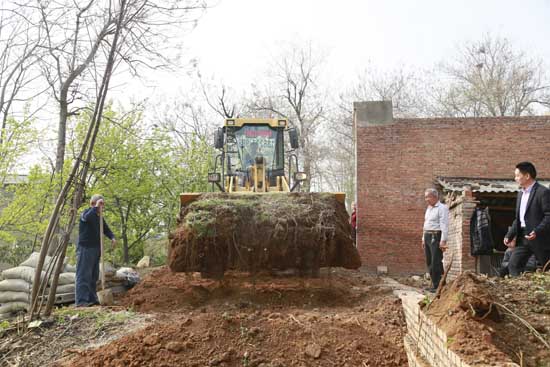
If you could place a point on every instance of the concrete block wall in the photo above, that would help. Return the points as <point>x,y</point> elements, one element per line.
<point>425,343</point>
<point>398,158</point>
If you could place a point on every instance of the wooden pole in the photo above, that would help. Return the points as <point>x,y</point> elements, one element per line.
<point>102,249</point>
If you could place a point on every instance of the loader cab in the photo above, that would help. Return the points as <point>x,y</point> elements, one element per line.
<point>249,146</point>
<point>247,143</point>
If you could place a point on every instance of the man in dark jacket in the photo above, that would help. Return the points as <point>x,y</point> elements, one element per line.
<point>88,252</point>
<point>531,227</point>
<point>531,265</point>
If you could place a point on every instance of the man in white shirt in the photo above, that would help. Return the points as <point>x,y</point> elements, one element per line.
<point>434,238</point>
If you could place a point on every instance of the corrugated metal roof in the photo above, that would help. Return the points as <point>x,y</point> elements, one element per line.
<point>479,184</point>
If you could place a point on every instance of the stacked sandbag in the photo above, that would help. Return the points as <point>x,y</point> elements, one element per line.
<point>118,281</point>
<point>16,285</point>
<point>129,276</point>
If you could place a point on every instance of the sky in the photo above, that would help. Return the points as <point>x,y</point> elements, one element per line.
<point>236,39</point>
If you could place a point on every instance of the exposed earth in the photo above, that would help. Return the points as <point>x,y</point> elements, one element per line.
<point>340,319</point>
<point>343,318</point>
<point>487,319</point>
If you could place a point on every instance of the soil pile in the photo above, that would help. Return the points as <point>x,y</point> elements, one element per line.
<point>485,318</point>
<point>164,291</point>
<point>342,320</point>
<point>304,231</point>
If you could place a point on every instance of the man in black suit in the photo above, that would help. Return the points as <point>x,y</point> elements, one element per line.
<point>531,227</point>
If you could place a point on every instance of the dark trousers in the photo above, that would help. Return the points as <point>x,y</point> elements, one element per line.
<point>434,256</point>
<point>87,274</point>
<point>522,253</point>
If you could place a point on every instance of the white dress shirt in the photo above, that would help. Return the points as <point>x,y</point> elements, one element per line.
<point>437,219</point>
<point>523,203</point>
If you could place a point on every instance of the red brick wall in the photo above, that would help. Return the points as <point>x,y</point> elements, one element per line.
<point>396,162</point>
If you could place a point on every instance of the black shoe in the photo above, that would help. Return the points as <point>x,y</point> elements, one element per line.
<point>85,304</point>
<point>430,290</point>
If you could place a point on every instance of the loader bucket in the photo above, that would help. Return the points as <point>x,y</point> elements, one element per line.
<point>269,231</point>
<point>188,197</point>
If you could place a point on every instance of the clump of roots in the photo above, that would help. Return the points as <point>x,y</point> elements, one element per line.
<point>253,232</point>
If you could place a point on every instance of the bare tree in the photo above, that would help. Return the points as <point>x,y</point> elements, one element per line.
<point>76,32</point>
<point>116,24</point>
<point>221,98</point>
<point>402,86</point>
<point>187,121</point>
<point>19,41</point>
<point>491,77</point>
<point>294,93</point>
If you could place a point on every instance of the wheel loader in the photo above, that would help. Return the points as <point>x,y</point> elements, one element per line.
<point>259,220</point>
<point>252,158</point>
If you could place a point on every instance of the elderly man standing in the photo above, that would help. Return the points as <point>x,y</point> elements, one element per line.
<point>434,238</point>
<point>88,252</point>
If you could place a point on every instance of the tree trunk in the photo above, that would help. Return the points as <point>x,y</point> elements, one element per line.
<point>125,247</point>
<point>61,133</point>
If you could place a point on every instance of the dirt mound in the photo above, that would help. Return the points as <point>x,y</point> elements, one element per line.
<point>165,291</point>
<point>230,332</point>
<point>304,231</point>
<point>480,317</point>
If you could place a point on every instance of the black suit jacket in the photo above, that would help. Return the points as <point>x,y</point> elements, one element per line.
<point>537,216</point>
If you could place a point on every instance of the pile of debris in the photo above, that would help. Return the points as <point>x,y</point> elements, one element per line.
<point>491,319</point>
<point>302,231</point>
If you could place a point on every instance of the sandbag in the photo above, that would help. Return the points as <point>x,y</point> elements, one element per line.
<point>7,297</point>
<point>13,307</point>
<point>32,261</point>
<point>66,278</point>
<point>21,272</point>
<point>15,285</point>
<point>66,288</point>
<point>129,275</point>
<point>70,268</point>
<point>110,270</point>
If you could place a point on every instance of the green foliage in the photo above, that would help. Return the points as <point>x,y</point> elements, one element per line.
<point>4,325</point>
<point>141,173</point>
<point>450,341</point>
<point>24,219</point>
<point>157,250</point>
<point>15,141</point>
<point>425,302</point>
<point>101,317</point>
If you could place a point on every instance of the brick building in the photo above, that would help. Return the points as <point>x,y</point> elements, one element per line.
<point>398,158</point>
